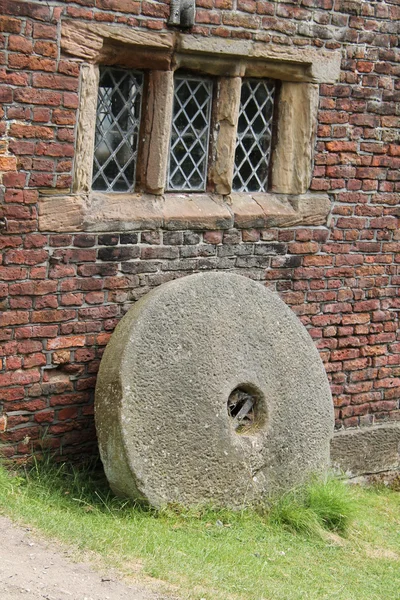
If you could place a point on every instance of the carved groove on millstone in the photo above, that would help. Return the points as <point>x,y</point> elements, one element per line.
<point>211,390</point>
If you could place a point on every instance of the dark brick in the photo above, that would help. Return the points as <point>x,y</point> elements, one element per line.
<point>128,238</point>
<point>118,254</point>
<point>108,239</point>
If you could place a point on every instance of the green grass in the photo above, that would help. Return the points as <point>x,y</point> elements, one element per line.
<point>322,541</point>
<point>320,505</point>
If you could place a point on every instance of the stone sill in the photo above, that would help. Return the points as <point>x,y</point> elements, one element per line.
<point>126,212</point>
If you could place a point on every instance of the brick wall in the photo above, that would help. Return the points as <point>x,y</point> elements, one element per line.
<point>62,295</point>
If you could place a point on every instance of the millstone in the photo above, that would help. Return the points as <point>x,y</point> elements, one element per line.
<point>211,390</point>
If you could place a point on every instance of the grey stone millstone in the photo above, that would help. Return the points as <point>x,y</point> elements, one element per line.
<point>162,420</point>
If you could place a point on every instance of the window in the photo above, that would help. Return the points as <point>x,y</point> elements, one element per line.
<point>142,164</point>
<point>117,130</point>
<point>228,63</point>
<point>118,124</point>
<point>254,136</point>
<point>187,169</point>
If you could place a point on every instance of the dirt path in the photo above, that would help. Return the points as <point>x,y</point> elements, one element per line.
<point>36,569</point>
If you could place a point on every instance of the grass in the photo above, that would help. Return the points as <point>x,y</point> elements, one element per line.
<point>320,505</point>
<point>322,541</point>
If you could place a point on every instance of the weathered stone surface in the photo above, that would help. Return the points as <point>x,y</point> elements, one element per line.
<point>85,131</point>
<point>227,113</point>
<point>96,42</point>
<point>314,65</point>
<point>162,393</point>
<point>312,208</point>
<point>124,212</point>
<point>279,210</point>
<point>260,210</point>
<point>157,131</point>
<point>62,213</point>
<point>78,40</point>
<point>297,122</point>
<point>195,211</point>
<point>367,450</point>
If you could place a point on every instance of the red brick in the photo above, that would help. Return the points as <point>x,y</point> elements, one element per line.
<point>21,302</point>
<point>31,96</point>
<point>52,316</point>
<point>46,48</point>
<point>208,16</point>
<point>71,100</point>
<point>25,9</point>
<point>12,78</point>
<point>25,257</point>
<point>19,377</point>
<point>65,399</point>
<point>35,63</point>
<point>43,31</point>
<point>71,299</point>
<point>94,298</point>
<point>61,271</point>
<point>12,395</point>
<point>55,82</point>
<point>349,268</point>
<point>66,342</point>
<point>8,163</point>
<point>45,331</point>
<point>366,305</point>
<point>54,149</point>
<point>67,413</point>
<point>8,348</point>
<point>41,115</point>
<point>126,6</point>
<point>238,20</point>
<point>347,354</point>
<point>35,360</point>
<point>20,130</point>
<point>390,382</point>
<point>12,273</point>
<point>20,44</point>
<point>374,350</point>
<point>10,25</point>
<point>46,416</point>
<point>79,13</point>
<point>303,248</point>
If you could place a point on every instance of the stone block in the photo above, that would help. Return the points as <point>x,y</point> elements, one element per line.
<point>294,150</point>
<point>367,450</point>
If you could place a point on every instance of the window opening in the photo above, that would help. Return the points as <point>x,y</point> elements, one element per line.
<point>190,133</point>
<point>117,130</point>
<point>254,134</point>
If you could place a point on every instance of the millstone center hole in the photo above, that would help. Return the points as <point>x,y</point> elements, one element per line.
<point>244,409</point>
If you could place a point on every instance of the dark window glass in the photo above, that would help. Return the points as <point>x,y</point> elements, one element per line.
<point>253,144</point>
<point>190,133</point>
<point>117,130</point>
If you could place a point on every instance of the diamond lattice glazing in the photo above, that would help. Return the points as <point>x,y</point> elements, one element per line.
<point>190,134</point>
<point>117,130</point>
<point>253,144</point>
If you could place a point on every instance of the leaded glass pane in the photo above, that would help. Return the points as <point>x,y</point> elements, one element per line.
<point>190,134</point>
<point>117,130</point>
<point>253,144</point>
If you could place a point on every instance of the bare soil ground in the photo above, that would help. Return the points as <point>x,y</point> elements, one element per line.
<point>36,569</point>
